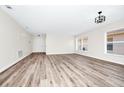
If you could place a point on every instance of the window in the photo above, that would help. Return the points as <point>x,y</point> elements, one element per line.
<point>109,47</point>
<point>115,42</point>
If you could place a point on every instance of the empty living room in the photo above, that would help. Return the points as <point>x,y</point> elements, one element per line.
<point>61,45</point>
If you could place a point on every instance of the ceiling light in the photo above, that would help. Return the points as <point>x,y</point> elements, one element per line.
<point>100,18</point>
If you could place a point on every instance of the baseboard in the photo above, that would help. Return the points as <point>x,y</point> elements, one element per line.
<point>10,65</point>
<point>59,53</point>
<point>97,58</point>
<point>39,52</point>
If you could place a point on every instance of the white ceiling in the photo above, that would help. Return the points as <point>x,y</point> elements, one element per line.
<point>69,19</point>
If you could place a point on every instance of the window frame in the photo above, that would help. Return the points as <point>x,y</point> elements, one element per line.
<point>105,43</point>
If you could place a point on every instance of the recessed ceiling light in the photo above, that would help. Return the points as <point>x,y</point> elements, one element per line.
<point>9,7</point>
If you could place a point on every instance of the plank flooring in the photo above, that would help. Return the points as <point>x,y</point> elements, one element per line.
<point>67,70</point>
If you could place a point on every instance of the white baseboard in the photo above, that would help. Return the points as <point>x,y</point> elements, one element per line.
<point>59,53</point>
<point>6,67</point>
<point>101,58</point>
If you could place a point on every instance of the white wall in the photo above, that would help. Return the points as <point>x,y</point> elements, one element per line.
<point>96,43</point>
<point>59,44</point>
<point>39,43</point>
<point>12,39</point>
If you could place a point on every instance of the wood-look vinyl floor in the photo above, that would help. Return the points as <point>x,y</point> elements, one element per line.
<point>68,70</point>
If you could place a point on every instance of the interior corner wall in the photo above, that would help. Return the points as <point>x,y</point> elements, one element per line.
<point>13,38</point>
<point>59,44</point>
<point>97,43</point>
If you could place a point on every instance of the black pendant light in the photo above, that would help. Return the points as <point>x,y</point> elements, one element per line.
<point>100,18</point>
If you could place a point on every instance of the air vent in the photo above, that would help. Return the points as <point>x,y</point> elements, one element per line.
<point>9,7</point>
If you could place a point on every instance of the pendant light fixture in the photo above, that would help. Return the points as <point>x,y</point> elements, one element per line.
<point>100,18</point>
